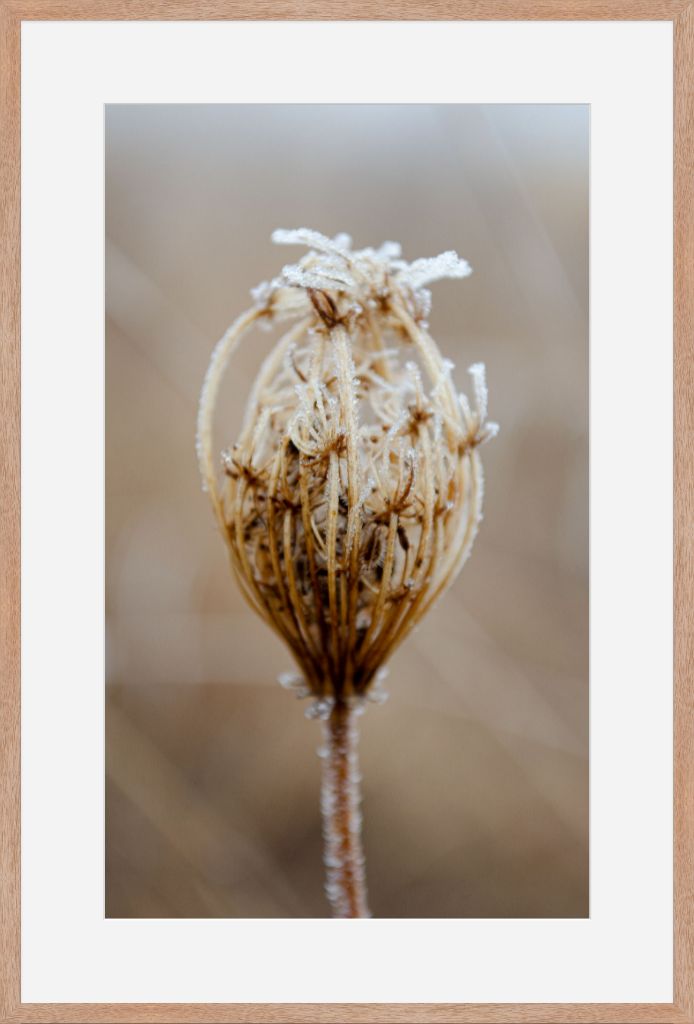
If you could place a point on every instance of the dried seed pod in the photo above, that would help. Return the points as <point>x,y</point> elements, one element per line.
<point>352,496</point>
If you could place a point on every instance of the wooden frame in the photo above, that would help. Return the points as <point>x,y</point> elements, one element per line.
<point>681,13</point>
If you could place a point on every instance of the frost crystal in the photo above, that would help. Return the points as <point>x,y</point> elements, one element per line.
<point>320,708</point>
<point>365,276</point>
<point>295,683</point>
<point>435,268</point>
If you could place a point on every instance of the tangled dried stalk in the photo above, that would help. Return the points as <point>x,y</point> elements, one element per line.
<point>352,496</point>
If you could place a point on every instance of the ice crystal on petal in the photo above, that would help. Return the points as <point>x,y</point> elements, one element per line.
<point>303,277</point>
<point>261,293</point>
<point>479,429</point>
<point>377,694</point>
<point>312,239</point>
<point>489,431</point>
<point>390,251</point>
<point>295,683</point>
<point>478,373</point>
<point>424,296</point>
<point>465,407</point>
<point>434,268</point>
<point>343,241</point>
<point>320,708</point>
<point>362,274</point>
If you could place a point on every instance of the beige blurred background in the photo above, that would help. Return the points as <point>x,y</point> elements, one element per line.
<point>476,769</point>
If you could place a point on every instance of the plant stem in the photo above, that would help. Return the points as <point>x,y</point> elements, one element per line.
<point>340,800</point>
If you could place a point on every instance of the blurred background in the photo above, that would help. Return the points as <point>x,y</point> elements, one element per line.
<point>476,769</point>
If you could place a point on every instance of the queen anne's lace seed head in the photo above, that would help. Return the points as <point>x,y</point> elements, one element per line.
<point>352,496</point>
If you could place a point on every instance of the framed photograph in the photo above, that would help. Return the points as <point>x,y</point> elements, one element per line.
<point>346,367</point>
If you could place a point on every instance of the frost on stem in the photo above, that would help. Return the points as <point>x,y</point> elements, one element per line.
<point>340,803</point>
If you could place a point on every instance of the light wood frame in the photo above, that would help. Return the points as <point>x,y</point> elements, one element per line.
<point>681,14</point>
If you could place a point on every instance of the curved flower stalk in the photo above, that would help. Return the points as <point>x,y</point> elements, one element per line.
<point>352,496</point>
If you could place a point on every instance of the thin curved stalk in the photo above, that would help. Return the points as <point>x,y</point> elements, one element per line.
<point>208,397</point>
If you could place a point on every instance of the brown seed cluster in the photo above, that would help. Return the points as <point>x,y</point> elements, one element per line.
<point>352,496</point>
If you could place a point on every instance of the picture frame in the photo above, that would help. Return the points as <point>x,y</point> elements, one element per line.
<point>681,14</point>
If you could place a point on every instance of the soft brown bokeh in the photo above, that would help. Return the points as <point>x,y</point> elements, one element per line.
<point>476,770</point>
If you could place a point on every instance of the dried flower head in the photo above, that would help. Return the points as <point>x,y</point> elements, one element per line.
<point>352,496</point>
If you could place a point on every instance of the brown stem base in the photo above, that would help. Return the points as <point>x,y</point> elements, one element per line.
<point>340,800</point>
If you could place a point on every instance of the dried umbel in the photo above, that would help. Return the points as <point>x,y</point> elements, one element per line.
<point>352,496</point>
